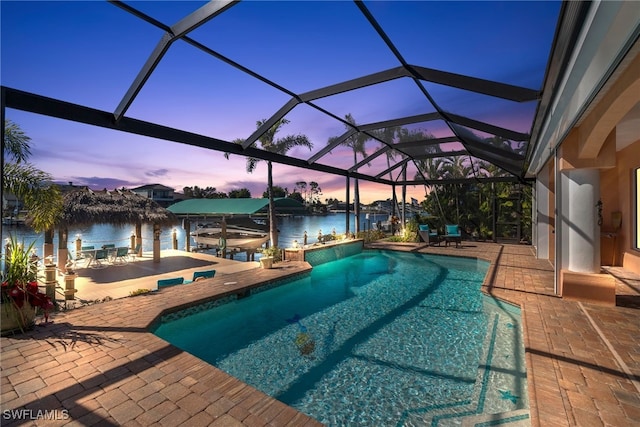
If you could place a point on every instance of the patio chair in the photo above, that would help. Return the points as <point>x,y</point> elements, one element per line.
<point>121,255</point>
<point>86,253</point>
<point>170,282</point>
<point>453,235</point>
<point>208,274</point>
<point>111,250</point>
<point>100,259</point>
<point>133,253</point>
<point>70,266</point>
<point>429,236</point>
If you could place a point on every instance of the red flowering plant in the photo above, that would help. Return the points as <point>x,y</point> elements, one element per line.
<point>20,294</point>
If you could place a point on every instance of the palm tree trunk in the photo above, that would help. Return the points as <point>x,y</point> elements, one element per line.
<point>273,225</point>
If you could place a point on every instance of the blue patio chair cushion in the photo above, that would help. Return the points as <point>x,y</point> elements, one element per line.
<point>171,282</point>
<point>453,230</point>
<point>424,227</point>
<point>122,251</point>
<point>205,274</point>
<point>101,254</point>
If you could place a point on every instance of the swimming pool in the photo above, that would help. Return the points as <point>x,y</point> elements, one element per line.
<point>379,338</point>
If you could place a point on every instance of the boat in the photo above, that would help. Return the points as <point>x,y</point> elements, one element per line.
<point>241,236</point>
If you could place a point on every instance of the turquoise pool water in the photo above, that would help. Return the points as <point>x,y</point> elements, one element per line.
<point>381,338</point>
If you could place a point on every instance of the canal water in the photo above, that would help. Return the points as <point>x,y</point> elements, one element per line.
<point>291,228</point>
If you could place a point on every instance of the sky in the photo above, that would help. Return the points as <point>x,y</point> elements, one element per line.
<point>89,53</point>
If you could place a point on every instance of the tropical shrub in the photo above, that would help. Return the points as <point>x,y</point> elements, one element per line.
<point>20,285</point>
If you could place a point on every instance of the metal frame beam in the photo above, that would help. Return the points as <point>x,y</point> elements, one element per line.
<point>51,107</point>
<point>369,158</point>
<point>176,31</point>
<point>426,142</point>
<point>507,160</point>
<point>397,165</point>
<point>485,127</point>
<point>372,126</point>
<point>446,181</point>
<point>331,146</point>
<point>473,84</point>
<point>428,117</point>
<point>358,83</point>
<point>441,154</point>
<point>290,105</point>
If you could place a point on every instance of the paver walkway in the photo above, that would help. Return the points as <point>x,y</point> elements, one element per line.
<point>99,364</point>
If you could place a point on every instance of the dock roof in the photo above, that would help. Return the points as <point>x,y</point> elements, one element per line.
<point>220,207</point>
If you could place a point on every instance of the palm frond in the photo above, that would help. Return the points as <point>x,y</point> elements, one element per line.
<point>34,188</point>
<point>252,163</point>
<point>16,146</point>
<point>283,145</point>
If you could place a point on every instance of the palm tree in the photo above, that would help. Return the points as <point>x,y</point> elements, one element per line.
<point>507,145</point>
<point>458,168</point>
<point>433,168</point>
<point>31,185</point>
<point>388,135</point>
<point>357,143</point>
<point>269,143</point>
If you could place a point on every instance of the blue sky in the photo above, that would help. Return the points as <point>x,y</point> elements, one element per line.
<point>90,52</point>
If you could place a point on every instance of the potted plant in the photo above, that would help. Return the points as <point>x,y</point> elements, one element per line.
<point>269,256</point>
<point>21,298</point>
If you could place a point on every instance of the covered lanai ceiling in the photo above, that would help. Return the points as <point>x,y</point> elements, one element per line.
<point>417,84</point>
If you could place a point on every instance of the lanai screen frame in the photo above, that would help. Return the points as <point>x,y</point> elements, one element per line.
<point>512,164</point>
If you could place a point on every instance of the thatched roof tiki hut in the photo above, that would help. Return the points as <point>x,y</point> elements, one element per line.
<point>119,207</point>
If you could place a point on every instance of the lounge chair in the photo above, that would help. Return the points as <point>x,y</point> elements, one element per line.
<point>429,236</point>
<point>453,234</point>
<point>170,282</point>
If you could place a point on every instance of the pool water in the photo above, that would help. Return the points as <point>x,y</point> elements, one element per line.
<point>381,338</point>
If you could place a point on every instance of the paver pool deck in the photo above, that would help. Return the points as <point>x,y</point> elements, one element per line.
<point>100,365</point>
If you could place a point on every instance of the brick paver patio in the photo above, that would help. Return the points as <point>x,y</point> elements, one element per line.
<point>99,364</point>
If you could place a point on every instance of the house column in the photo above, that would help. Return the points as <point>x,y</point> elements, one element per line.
<point>347,213</point>
<point>580,229</point>
<point>542,214</point>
